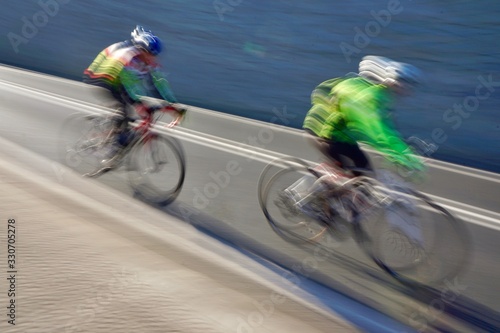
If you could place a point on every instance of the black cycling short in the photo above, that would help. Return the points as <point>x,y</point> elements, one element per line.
<point>347,154</point>
<point>343,152</point>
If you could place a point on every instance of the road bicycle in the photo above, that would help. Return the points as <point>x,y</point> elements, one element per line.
<point>403,231</point>
<point>155,162</point>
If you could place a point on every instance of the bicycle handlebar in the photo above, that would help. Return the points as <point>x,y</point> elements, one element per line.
<point>150,109</point>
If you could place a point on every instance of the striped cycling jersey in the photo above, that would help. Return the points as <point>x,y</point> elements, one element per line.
<point>109,63</point>
<point>323,104</point>
<point>121,65</point>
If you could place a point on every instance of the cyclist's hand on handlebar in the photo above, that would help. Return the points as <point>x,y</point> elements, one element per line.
<point>414,161</point>
<point>412,168</point>
<point>181,111</point>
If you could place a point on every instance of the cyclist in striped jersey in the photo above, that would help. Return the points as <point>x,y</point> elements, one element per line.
<point>126,72</point>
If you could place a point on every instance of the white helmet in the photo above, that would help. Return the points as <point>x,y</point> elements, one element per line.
<point>146,40</point>
<point>138,32</point>
<point>386,71</point>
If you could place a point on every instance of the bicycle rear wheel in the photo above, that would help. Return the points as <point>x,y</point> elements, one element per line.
<point>157,169</point>
<point>85,140</point>
<point>418,244</point>
<point>288,222</point>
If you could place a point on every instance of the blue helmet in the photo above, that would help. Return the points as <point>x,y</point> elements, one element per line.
<point>146,40</point>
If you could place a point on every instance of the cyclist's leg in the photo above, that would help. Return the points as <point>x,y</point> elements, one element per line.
<point>325,147</point>
<point>321,144</point>
<point>342,155</point>
<point>307,188</point>
<point>301,187</point>
<point>127,111</point>
<point>352,155</point>
<point>116,100</point>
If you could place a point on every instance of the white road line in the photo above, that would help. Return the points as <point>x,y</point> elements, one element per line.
<point>227,148</point>
<point>44,76</point>
<point>56,99</point>
<point>493,178</point>
<point>493,218</point>
<point>481,220</point>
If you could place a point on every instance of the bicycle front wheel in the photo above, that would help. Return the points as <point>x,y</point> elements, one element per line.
<point>417,241</point>
<point>157,169</point>
<point>85,140</point>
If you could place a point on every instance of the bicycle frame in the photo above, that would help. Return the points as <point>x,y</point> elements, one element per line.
<point>142,131</point>
<point>144,127</point>
<point>363,193</point>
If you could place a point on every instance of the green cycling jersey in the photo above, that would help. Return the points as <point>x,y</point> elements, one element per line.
<point>354,110</point>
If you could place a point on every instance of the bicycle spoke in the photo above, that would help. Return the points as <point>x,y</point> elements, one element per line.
<point>416,241</point>
<point>85,141</point>
<point>285,219</point>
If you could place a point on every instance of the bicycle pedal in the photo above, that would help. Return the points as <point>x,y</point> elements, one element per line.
<point>97,173</point>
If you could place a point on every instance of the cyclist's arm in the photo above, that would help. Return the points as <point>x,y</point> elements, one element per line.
<point>132,84</point>
<point>162,85</point>
<point>369,127</point>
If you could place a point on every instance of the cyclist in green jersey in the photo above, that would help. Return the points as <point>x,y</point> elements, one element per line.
<point>353,109</point>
